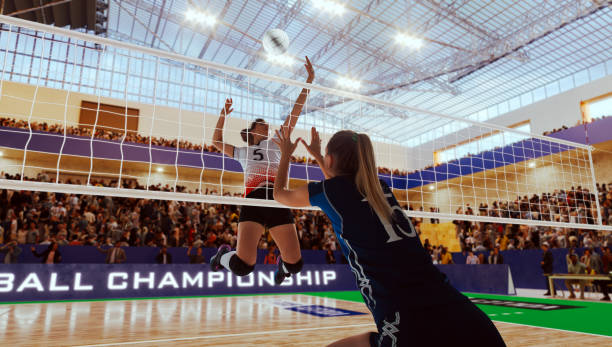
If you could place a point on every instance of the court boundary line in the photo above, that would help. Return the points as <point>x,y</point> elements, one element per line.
<point>526,325</point>
<point>202,337</point>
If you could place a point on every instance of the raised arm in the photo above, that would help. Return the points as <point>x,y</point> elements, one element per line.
<point>218,134</point>
<point>315,150</point>
<point>294,198</point>
<point>292,118</point>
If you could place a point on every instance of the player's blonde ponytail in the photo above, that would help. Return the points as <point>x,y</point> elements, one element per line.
<point>354,155</point>
<point>366,178</point>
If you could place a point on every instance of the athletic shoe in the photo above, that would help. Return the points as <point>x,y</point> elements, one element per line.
<point>547,294</point>
<point>215,261</point>
<point>605,298</point>
<point>280,274</point>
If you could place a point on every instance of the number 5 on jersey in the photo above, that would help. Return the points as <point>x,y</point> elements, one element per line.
<point>257,152</point>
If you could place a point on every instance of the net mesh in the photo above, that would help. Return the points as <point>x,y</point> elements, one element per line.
<point>88,115</point>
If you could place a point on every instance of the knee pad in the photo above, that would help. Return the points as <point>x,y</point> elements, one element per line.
<point>293,268</point>
<point>239,267</point>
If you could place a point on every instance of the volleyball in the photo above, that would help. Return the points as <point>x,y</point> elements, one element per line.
<point>275,41</point>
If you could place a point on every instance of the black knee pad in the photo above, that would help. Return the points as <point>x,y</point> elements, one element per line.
<point>294,268</point>
<point>239,267</point>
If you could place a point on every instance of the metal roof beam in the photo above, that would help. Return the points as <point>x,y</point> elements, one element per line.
<point>344,35</point>
<point>536,27</point>
<point>213,32</point>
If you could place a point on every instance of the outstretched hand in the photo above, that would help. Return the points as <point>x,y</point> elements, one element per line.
<point>315,143</point>
<point>310,70</point>
<point>227,109</point>
<point>283,141</point>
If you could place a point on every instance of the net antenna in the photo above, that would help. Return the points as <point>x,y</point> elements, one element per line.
<point>446,161</point>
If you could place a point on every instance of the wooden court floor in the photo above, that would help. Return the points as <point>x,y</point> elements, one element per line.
<point>242,320</point>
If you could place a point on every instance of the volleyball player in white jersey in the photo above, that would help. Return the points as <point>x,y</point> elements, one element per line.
<point>260,161</point>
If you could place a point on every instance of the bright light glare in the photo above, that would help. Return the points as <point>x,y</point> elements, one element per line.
<point>282,59</point>
<point>200,17</point>
<point>349,83</point>
<point>1,154</point>
<point>532,164</point>
<point>409,41</point>
<point>332,7</point>
<point>160,169</point>
<point>432,187</point>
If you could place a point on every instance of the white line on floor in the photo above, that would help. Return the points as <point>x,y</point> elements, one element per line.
<point>526,325</point>
<point>228,335</point>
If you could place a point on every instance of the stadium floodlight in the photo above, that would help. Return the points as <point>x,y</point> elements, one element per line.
<point>348,83</point>
<point>532,164</point>
<point>408,40</point>
<point>282,59</point>
<point>329,6</point>
<point>160,169</point>
<point>200,17</point>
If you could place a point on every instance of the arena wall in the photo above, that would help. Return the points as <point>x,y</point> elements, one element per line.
<point>558,110</point>
<point>52,105</point>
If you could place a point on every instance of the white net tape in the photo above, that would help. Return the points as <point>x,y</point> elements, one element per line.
<point>88,115</point>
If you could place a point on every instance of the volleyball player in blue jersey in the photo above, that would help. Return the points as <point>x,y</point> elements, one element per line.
<point>411,300</point>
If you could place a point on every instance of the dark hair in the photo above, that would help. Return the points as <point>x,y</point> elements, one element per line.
<point>354,155</point>
<point>247,135</point>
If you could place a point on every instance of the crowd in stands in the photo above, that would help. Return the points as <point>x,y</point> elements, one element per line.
<point>565,127</point>
<point>546,133</point>
<point>105,133</point>
<point>576,205</point>
<point>43,218</point>
<point>67,219</point>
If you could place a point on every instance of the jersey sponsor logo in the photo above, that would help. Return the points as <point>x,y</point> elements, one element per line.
<point>323,311</point>
<point>522,304</point>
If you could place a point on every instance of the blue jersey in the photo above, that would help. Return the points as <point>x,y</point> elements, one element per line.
<point>392,269</point>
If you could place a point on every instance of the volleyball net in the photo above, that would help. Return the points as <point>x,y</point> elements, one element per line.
<point>83,114</point>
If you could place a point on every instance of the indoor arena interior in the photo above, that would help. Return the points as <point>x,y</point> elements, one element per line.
<point>305,173</point>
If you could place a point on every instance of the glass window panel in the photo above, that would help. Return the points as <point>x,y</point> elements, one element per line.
<point>552,89</point>
<point>597,71</point>
<point>581,77</point>
<point>566,83</point>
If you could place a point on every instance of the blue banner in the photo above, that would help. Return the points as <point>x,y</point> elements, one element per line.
<point>34,282</point>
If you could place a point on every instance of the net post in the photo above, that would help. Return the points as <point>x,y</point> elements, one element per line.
<point>595,191</point>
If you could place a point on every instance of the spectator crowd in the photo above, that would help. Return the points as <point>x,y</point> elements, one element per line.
<point>576,205</point>
<point>69,219</point>
<point>28,217</point>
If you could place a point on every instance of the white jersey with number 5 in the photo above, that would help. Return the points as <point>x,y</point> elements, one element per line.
<point>259,162</point>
